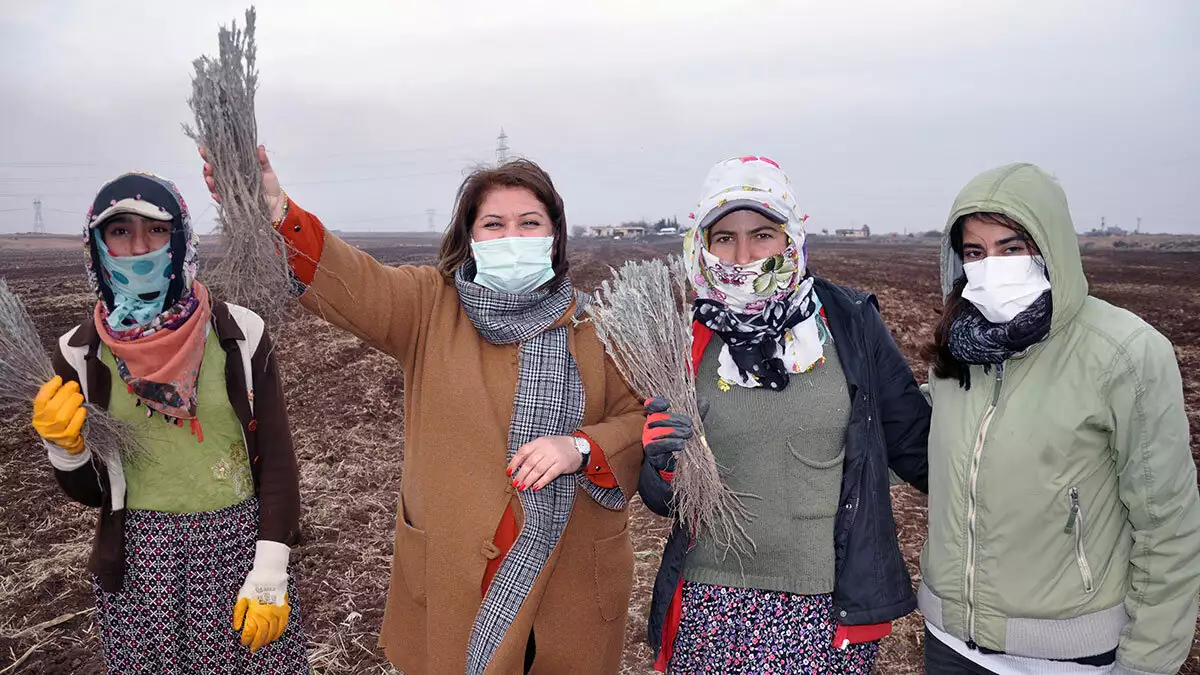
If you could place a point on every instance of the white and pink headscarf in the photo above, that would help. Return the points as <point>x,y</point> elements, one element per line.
<point>764,311</point>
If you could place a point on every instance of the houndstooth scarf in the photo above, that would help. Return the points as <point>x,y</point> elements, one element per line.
<point>975,340</point>
<point>549,402</point>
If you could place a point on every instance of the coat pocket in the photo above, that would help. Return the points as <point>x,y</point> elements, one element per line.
<point>818,484</point>
<point>1075,527</point>
<point>614,574</point>
<point>410,550</point>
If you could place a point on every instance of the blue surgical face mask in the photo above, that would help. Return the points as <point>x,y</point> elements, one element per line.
<point>513,264</point>
<point>139,284</point>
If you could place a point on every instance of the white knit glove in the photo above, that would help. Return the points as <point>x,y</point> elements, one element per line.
<point>267,580</point>
<point>261,611</point>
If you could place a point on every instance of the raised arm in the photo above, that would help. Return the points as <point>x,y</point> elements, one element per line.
<point>382,305</point>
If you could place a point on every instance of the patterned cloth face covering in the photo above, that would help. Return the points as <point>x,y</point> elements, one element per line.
<point>158,342</point>
<point>765,312</point>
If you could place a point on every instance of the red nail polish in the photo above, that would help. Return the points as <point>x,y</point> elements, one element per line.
<point>514,482</point>
<point>509,472</point>
<point>522,486</point>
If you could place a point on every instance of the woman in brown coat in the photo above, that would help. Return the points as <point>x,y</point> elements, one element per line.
<point>522,442</point>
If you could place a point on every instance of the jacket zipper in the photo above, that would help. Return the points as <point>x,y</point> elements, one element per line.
<point>1076,528</point>
<point>973,483</point>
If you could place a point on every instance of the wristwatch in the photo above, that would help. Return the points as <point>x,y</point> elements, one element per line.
<point>585,450</point>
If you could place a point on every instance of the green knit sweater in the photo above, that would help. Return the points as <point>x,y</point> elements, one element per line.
<point>787,448</point>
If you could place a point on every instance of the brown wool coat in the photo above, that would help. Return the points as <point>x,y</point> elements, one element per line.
<point>458,400</point>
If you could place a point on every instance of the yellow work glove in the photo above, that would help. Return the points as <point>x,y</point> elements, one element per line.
<point>58,414</point>
<point>261,611</point>
<point>260,623</point>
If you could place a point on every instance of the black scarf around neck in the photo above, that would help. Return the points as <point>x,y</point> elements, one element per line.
<point>976,341</point>
<point>756,340</point>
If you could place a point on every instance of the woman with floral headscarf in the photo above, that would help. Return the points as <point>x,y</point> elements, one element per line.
<point>807,402</point>
<point>190,556</point>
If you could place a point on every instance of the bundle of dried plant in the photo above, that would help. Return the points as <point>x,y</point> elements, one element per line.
<point>642,317</point>
<point>24,368</point>
<point>253,270</point>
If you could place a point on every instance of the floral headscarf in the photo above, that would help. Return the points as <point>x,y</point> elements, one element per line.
<point>160,360</point>
<point>765,312</point>
<point>185,245</point>
<point>746,182</point>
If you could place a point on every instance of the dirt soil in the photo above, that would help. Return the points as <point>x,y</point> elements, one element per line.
<point>344,400</point>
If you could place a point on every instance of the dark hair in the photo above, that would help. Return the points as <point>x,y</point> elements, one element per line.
<point>522,173</point>
<point>945,366</point>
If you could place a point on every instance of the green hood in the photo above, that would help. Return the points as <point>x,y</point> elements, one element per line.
<point>1034,199</point>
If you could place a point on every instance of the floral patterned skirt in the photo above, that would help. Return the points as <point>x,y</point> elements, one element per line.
<point>174,612</point>
<point>747,630</point>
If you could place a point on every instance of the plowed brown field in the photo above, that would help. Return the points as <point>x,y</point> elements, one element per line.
<point>344,399</point>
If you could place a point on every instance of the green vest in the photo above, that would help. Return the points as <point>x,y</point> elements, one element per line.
<point>180,474</point>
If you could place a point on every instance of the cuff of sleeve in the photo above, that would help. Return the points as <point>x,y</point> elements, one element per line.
<point>271,557</point>
<point>305,237</point>
<point>1120,669</point>
<point>65,461</point>
<point>853,635</point>
<point>597,470</point>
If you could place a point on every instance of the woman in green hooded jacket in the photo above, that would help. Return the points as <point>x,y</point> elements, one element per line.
<point>1064,519</point>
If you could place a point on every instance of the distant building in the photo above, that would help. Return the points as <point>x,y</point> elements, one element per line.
<point>618,231</point>
<point>1113,231</point>
<point>854,233</point>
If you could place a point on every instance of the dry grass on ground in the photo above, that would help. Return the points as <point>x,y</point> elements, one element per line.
<point>345,404</point>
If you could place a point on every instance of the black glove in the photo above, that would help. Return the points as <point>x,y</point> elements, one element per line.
<point>664,433</point>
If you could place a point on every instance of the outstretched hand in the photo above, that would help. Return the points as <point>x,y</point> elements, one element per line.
<point>272,192</point>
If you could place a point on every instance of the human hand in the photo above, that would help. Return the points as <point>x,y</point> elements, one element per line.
<point>538,462</point>
<point>259,623</point>
<point>261,611</point>
<point>665,433</point>
<point>58,414</point>
<point>272,192</point>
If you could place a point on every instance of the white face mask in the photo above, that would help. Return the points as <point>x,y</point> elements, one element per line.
<point>1004,286</point>
<point>513,264</point>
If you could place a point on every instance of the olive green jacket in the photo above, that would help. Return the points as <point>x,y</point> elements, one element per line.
<point>1064,517</point>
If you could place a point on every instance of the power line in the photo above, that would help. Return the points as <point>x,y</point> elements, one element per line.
<point>374,178</point>
<point>376,219</point>
<point>21,181</point>
<point>325,181</point>
<point>62,164</point>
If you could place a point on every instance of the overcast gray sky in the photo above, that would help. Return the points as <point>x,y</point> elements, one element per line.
<point>880,111</point>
